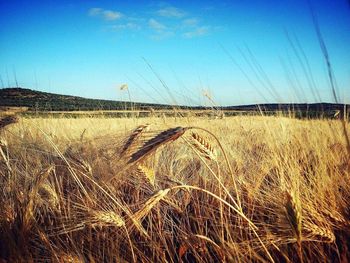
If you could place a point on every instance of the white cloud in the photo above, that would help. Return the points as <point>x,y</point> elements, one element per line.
<point>161,26</point>
<point>199,31</point>
<point>129,25</point>
<point>162,35</point>
<point>160,30</point>
<point>154,24</point>
<point>171,12</point>
<point>190,22</point>
<point>95,11</point>
<point>108,15</point>
<point>111,15</point>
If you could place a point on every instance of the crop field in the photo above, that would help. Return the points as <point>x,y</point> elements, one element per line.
<point>193,189</point>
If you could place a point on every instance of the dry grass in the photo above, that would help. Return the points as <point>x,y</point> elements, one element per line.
<point>277,190</point>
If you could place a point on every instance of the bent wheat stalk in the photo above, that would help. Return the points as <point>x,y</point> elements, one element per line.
<point>323,234</point>
<point>293,212</point>
<point>239,212</point>
<point>147,173</point>
<point>203,146</point>
<point>134,136</point>
<point>153,144</point>
<point>139,215</point>
<point>5,156</point>
<point>239,205</point>
<point>107,218</point>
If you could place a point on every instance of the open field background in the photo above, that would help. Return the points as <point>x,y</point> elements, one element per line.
<point>32,103</point>
<point>103,190</point>
<point>215,131</point>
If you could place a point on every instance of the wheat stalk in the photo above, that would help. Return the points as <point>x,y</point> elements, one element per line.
<point>5,156</point>
<point>69,258</point>
<point>238,203</point>
<point>107,218</point>
<point>147,173</point>
<point>336,218</point>
<point>8,214</point>
<point>134,135</point>
<point>174,204</point>
<point>29,208</point>
<point>162,138</point>
<point>293,212</point>
<point>155,199</point>
<point>325,234</point>
<point>203,146</point>
<point>49,194</point>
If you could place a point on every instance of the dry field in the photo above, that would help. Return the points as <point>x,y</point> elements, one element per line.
<point>237,189</point>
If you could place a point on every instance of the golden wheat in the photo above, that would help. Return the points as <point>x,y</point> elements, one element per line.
<point>106,218</point>
<point>160,139</point>
<point>45,215</point>
<point>48,193</point>
<point>134,135</point>
<point>150,203</point>
<point>293,212</point>
<point>336,218</point>
<point>319,233</point>
<point>203,146</point>
<point>147,173</point>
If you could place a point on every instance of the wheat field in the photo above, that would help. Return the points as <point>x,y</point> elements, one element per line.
<point>237,189</point>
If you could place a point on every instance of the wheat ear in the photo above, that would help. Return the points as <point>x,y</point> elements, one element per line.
<point>203,146</point>
<point>151,145</point>
<point>322,233</point>
<point>29,208</point>
<point>49,194</point>
<point>147,173</point>
<point>293,212</point>
<point>4,153</point>
<point>134,135</point>
<point>69,258</point>
<point>336,218</point>
<point>155,199</point>
<point>107,218</point>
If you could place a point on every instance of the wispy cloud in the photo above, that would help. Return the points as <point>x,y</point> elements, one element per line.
<point>126,26</point>
<point>155,25</point>
<point>108,15</point>
<point>160,31</point>
<point>167,21</point>
<point>171,12</point>
<point>162,35</point>
<point>197,32</point>
<point>190,22</point>
<point>112,15</point>
<point>95,11</point>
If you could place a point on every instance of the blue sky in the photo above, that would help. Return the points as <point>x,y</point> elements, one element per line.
<point>238,52</point>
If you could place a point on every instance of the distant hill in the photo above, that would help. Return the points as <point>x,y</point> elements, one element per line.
<point>43,101</point>
<point>319,107</point>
